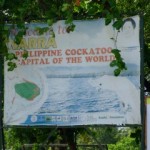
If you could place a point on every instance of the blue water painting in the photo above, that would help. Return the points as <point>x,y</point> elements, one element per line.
<point>79,95</point>
<point>76,95</point>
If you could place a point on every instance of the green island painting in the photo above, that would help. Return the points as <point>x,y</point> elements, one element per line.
<point>27,90</point>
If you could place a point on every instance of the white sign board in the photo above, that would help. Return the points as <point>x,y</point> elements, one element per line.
<point>66,80</point>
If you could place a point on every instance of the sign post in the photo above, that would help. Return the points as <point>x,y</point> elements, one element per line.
<point>1,112</point>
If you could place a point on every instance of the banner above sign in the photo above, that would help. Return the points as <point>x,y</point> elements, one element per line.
<point>67,80</point>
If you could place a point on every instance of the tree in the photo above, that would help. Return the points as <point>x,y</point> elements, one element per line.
<point>99,135</point>
<point>16,137</point>
<point>18,12</point>
<point>126,142</point>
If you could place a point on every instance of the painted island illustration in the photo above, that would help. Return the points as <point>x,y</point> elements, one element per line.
<point>27,90</point>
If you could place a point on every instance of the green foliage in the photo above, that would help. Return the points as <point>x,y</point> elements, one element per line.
<point>25,54</point>
<point>35,147</point>
<point>108,19</point>
<point>2,3</point>
<point>65,7</point>
<point>115,138</point>
<point>16,137</point>
<point>11,66</point>
<point>118,63</point>
<point>118,24</point>
<point>70,28</point>
<point>10,57</point>
<point>99,135</point>
<point>12,141</point>
<point>126,142</point>
<point>22,30</point>
<point>42,30</point>
<point>50,22</point>
<point>136,134</point>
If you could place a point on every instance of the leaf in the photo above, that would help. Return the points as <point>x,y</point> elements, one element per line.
<point>123,65</point>
<point>10,56</point>
<point>92,10</point>
<point>2,3</point>
<point>19,36</point>
<point>117,72</point>
<point>76,9</point>
<point>112,3</point>
<point>108,19</point>
<point>113,63</point>
<point>25,54</point>
<point>77,2</point>
<point>70,28</point>
<point>118,56</point>
<point>118,62</point>
<point>118,24</point>
<point>21,25</point>
<point>12,66</point>
<point>65,7</point>
<point>42,30</point>
<point>69,20</point>
<point>50,22</point>
<point>10,63</point>
<point>115,51</point>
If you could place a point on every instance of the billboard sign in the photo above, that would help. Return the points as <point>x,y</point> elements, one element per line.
<point>66,79</point>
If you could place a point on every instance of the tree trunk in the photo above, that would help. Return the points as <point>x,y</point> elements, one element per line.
<point>68,137</point>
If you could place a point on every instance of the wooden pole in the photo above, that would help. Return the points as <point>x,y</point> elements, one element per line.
<point>1,104</point>
<point>143,109</point>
